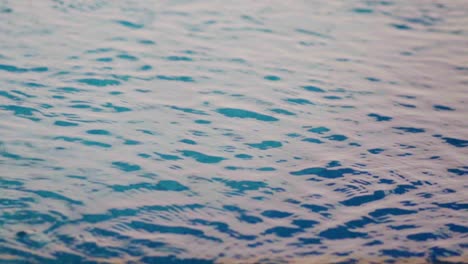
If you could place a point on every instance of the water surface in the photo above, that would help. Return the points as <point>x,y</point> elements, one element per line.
<point>204,131</point>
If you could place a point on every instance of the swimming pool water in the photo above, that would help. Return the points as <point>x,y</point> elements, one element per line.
<point>213,131</point>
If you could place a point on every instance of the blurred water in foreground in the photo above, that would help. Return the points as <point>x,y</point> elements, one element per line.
<point>213,131</point>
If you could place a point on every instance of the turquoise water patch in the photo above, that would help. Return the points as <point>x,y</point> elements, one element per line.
<point>240,113</point>
<point>129,24</point>
<point>165,185</point>
<point>282,111</point>
<point>124,166</point>
<point>313,140</point>
<point>101,132</point>
<point>98,82</point>
<point>300,101</point>
<point>244,156</point>
<point>311,88</point>
<point>175,78</point>
<point>200,157</point>
<point>65,123</point>
<point>319,130</point>
<point>267,144</point>
<point>178,58</point>
<point>324,172</point>
<point>202,122</point>
<point>188,141</point>
<point>272,78</point>
<point>127,57</point>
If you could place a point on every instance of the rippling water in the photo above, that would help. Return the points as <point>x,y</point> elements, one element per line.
<point>209,131</point>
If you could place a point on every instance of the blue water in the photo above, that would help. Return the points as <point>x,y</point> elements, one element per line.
<point>233,132</point>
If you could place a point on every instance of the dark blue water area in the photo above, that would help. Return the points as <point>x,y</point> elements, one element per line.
<point>199,131</point>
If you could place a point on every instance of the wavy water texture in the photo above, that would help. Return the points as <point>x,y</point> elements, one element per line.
<point>205,131</point>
